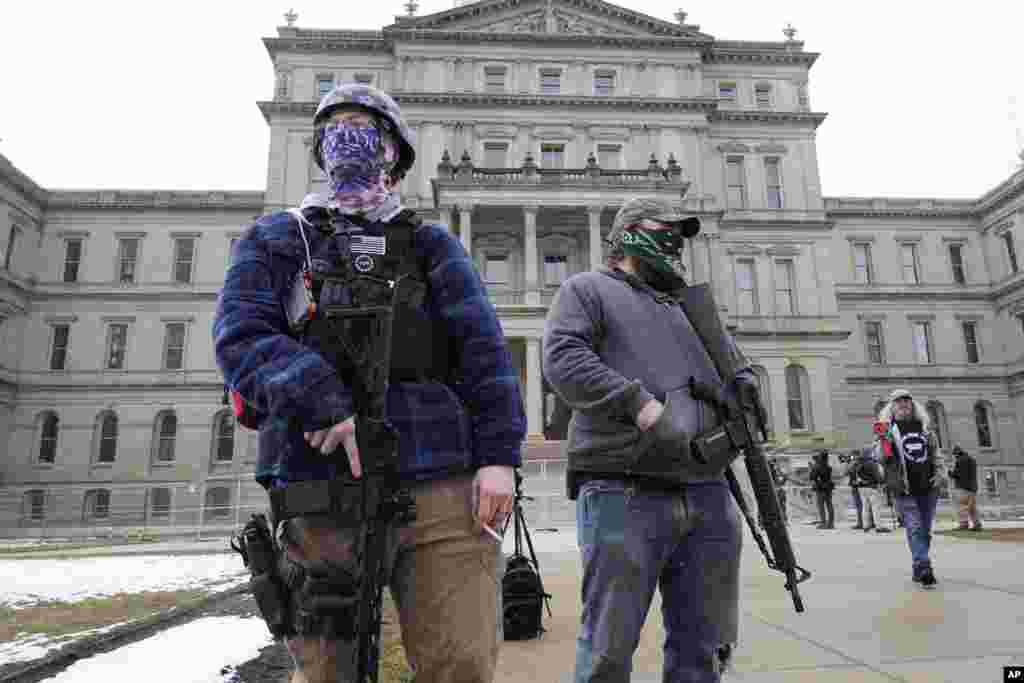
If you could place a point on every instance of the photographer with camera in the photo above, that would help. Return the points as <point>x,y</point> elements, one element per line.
<point>823,485</point>
<point>866,473</point>
<point>850,460</point>
<point>621,351</point>
<point>965,477</point>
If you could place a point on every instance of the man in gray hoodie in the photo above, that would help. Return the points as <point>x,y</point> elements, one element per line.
<point>619,349</point>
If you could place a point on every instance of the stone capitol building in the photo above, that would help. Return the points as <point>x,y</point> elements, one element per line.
<point>535,120</point>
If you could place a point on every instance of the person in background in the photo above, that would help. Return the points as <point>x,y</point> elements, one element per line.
<point>851,473</point>
<point>821,480</point>
<point>965,480</point>
<point>908,452</point>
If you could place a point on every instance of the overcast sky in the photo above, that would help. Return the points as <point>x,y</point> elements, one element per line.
<point>922,99</point>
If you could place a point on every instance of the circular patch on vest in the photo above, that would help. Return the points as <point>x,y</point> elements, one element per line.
<point>364,263</point>
<point>915,447</point>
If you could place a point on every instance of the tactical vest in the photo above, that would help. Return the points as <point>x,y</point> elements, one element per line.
<point>421,350</point>
<point>374,270</point>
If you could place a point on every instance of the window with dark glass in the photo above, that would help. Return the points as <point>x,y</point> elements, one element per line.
<point>971,341</point>
<point>184,254</point>
<point>72,259</point>
<point>128,255</point>
<point>108,438</point>
<point>956,262</point>
<point>59,349</point>
<point>48,439</point>
<point>982,426</point>
<point>873,334</point>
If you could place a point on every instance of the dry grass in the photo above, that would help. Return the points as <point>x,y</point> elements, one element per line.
<point>1010,535</point>
<point>63,618</point>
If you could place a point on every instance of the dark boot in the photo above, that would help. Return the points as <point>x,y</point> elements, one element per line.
<point>928,578</point>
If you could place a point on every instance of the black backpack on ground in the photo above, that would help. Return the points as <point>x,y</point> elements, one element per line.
<point>522,598</point>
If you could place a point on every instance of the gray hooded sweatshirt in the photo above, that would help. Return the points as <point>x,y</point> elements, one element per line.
<point>611,344</point>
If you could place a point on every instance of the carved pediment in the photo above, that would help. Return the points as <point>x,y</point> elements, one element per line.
<point>565,17</point>
<point>492,131</point>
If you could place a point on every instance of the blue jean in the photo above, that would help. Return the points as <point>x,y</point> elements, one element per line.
<point>688,545</point>
<point>918,514</point>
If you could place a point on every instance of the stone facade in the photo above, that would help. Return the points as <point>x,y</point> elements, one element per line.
<point>535,120</point>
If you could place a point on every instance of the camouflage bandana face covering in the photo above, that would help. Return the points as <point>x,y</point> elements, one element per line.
<point>358,161</point>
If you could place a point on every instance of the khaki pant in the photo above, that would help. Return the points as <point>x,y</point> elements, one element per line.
<point>968,509</point>
<point>444,579</point>
<point>872,503</point>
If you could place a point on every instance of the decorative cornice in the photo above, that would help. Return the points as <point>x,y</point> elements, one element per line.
<point>154,199</point>
<point>900,207</point>
<point>698,104</point>
<point>732,52</point>
<point>760,116</point>
<point>22,182</point>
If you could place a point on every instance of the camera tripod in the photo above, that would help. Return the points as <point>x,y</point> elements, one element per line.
<point>522,533</point>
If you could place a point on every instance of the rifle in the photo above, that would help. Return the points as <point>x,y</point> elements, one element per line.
<point>384,501</point>
<point>743,428</point>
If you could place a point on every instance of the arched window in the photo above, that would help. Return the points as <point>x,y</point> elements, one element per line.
<point>159,503</point>
<point>97,505</point>
<point>983,419</point>
<point>766,395</point>
<point>166,435</point>
<point>937,415</point>
<point>797,398</point>
<point>49,430</point>
<point>107,451</point>
<point>217,503</point>
<point>224,437</point>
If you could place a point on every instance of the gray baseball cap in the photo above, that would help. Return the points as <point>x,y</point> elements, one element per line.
<point>655,209</point>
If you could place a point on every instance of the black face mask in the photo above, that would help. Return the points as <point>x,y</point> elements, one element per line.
<point>656,278</point>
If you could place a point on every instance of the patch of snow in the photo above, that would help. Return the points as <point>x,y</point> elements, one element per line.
<point>38,646</point>
<point>197,652</point>
<point>26,582</point>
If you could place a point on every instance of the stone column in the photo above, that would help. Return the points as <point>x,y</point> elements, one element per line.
<point>776,369</point>
<point>466,228</point>
<point>530,256</point>
<point>596,252</point>
<point>448,216</point>
<point>534,400</point>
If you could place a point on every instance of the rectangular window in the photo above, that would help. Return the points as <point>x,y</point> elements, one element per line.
<point>497,270</point>
<point>36,505</point>
<point>117,342</point>
<point>609,156</point>
<point>746,287</point>
<point>495,154</point>
<point>364,78</point>
<point>324,85</point>
<point>494,78</point>
<point>550,81</point>
<point>127,257</point>
<point>784,304</point>
<point>174,346</point>
<point>12,244</point>
<point>59,350</point>
<point>971,341</point>
<point>97,504</point>
<point>160,502</point>
<point>72,259</point>
<point>1011,252</point>
<point>773,181</point>
<point>922,342</point>
<point>184,254</point>
<point>727,90</point>
<point>552,156</point>
<point>556,269</point>
<point>735,182</point>
<point>604,83</point>
<point>862,263</point>
<point>956,261</point>
<point>908,253</point>
<point>873,337</point>
<point>763,95</point>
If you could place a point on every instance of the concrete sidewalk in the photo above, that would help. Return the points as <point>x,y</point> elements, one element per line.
<point>865,620</point>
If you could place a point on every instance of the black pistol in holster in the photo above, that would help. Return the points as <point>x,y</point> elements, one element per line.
<point>255,544</point>
<point>743,429</point>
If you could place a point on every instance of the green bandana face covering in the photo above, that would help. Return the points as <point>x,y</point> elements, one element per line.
<point>659,249</point>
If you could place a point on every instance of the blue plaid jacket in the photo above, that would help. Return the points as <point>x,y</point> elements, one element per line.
<point>444,430</point>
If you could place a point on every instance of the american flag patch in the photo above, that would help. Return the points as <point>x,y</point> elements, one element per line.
<point>368,244</point>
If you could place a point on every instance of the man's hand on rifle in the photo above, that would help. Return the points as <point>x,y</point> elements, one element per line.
<point>493,488</point>
<point>649,414</point>
<point>343,433</point>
